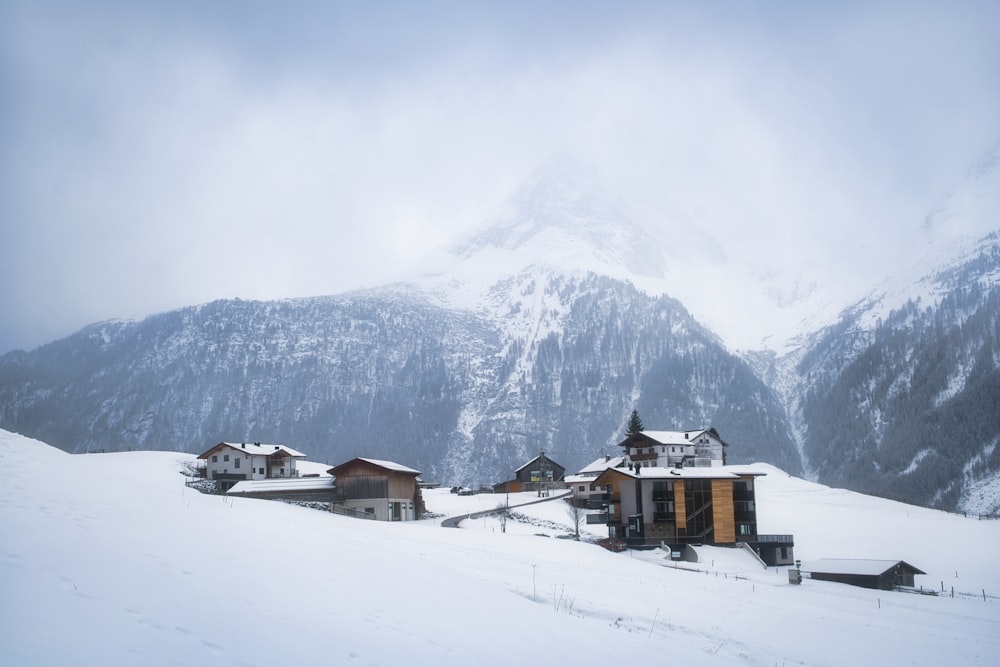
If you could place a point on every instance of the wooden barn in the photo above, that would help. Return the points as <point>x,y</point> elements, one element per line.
<point>539,474</point>
<point>867,573</point>
<point>385,489</point>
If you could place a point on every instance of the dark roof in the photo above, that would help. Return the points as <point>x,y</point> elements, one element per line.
<point>857,566</point>
<point>535,459</point>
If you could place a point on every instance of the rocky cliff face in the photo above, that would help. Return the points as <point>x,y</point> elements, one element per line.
<point>388,374</point>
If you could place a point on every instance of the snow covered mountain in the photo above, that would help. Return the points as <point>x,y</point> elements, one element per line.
<point>901,396</point>
<point>388,374</point>
<point>535,338</point>
<point>543,332</point>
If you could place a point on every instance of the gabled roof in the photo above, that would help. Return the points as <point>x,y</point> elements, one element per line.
<point>254,449</point>
<point>387,465</point>
<point>863,566</point>
<point>600,465</point>
<point>535,459</point>
<point>672,437</point>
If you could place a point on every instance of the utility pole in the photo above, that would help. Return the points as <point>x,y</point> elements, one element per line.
<point>542,479</point>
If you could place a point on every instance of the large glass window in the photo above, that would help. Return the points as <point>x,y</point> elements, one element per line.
<point>698,503</point>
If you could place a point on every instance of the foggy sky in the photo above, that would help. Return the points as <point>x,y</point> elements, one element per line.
<point>157,157</point>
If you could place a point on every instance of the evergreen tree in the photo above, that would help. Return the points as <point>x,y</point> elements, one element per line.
<point>634,423</point>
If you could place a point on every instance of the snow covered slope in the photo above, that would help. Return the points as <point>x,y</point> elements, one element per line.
<point>110,559</point>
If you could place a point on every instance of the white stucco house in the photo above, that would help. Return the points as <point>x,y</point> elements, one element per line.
<point>670,449</point>
<point>581,481</point>
<point>232,462</point>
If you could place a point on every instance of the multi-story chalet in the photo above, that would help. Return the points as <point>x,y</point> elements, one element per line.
<point>667,449</point>
<point>676,506</point>
<point>230,462</point>
<point>385,490</point>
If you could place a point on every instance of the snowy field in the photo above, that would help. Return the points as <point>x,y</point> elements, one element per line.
<point>109,559</point>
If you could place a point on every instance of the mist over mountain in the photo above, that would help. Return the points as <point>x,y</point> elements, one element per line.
<point>901,397</point>
<point>542,333</point>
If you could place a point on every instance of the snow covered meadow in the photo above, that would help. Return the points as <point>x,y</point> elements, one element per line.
<point>111,559</point>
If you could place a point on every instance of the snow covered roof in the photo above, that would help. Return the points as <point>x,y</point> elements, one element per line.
<point>601,464</point>
<point>388,465</point>
<point>864,566</point>
<point>707,472</point>
<point>579,479</point>
<point>255,449</point>
<point>674,437</point>
<point>282,484</point>
<point>535,459</point>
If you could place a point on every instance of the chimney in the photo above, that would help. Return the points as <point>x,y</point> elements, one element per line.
<point>685,436</point>
<point>607,457</point>
<point>243,445</point>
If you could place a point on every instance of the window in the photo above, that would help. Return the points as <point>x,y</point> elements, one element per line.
<point>784,553</point>
<point>260,471</point>
<point>582,489</point>
<point>225,457</point>
<point>663,512</point>
<point>369,510</point>
<point>215,459</point>
<point>237,464</point>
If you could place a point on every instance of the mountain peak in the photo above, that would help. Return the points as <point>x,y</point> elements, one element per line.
<point>563,217</point>
<point>970,210</point>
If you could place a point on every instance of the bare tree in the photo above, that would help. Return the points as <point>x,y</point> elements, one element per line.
<point>505,510</point>
<point>576,516</point>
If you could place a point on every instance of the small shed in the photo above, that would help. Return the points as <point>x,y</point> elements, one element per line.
<point>867,573</point>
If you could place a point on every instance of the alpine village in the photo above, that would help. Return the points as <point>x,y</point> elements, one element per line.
<point>662,489</point>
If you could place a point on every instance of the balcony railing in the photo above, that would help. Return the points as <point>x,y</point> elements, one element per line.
<point>598,518</point>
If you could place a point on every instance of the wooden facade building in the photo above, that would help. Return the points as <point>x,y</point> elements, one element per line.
<point>385,489</point>
<point>538,474</point>
<point>650,506</point>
